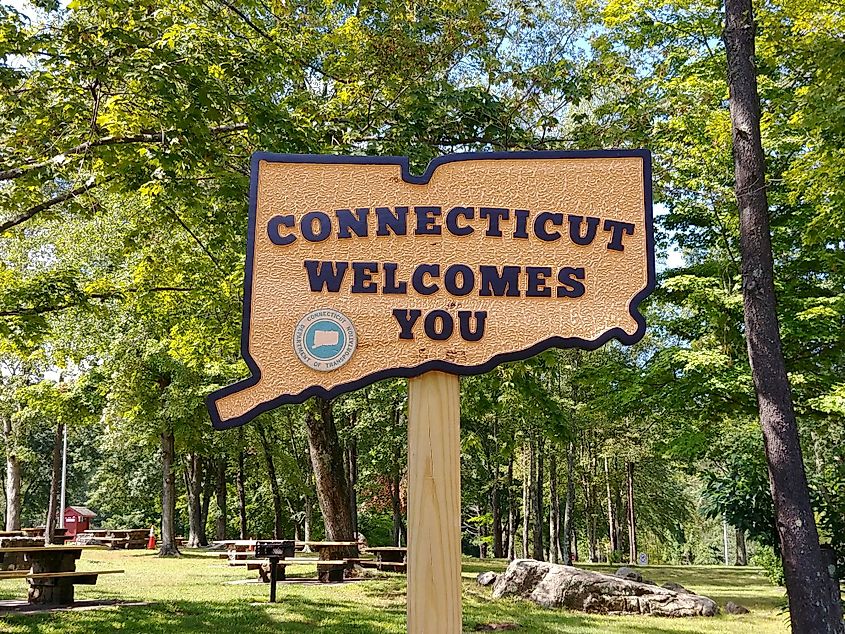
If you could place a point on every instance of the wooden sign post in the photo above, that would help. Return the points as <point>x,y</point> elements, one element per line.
<point>357,271</point>
<point>434,504</point>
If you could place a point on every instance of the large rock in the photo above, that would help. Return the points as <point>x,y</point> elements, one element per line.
<point>735,608</point>
<point>556,586</point>
<point>627,573</point>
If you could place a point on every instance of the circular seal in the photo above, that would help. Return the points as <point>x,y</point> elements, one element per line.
<point>324,339</point>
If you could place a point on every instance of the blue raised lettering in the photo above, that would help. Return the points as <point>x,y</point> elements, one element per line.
<point>273,226</point>
<point>357,222</point>
<point>391,287</point>
<point>426,219</point>
<point>389,221</point>
<point>452,220</point>
<point>362,280</point>
<point>418,278</point>
<point>617,228</point>
<point>442,331</point>
<point>497,284</point>
<point>575,229</point>
<point>494,216</point>
<point>324,226</point>
<point>568,278</point>
<point>324,275</point>
<point>406,320</point>
<point>540,223</point>
<point>464,317</point>
<point>450,279</point>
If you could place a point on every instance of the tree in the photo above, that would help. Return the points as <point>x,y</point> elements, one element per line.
<point>812,608</point>
<point>329,475</point>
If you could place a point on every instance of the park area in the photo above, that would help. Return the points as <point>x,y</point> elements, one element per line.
<point>193,594</point>
<point>434,316</point>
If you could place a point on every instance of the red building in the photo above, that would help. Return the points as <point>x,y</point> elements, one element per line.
<point>77,519</point>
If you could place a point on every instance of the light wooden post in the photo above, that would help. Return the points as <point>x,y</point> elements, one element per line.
<point>434,504</point>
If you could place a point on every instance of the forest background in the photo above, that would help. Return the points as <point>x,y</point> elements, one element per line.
<point>124,150</point>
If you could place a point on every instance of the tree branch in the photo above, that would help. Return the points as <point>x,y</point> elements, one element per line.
<point>32,311</point>
<point>196,239</point>
<point>145,136</point>
<point>264,34</point>
<point>55,200</point>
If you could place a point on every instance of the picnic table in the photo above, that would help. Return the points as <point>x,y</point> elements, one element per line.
<point>117,537</point>
<point>59,534</point>
<point>52,574</point>
<point>237,550</point>
<point>388,558</point>
<point>276,555</point>
<point>330,553</point>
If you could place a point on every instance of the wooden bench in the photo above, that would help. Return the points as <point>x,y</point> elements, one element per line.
<point>398,566</point>
<point>75,573</point>
<point>60,585</point>
<point>122,542</point>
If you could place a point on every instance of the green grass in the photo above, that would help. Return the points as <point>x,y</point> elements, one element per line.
<point>189,595</point>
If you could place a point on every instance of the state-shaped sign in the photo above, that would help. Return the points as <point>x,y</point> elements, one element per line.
<point>357,270</point>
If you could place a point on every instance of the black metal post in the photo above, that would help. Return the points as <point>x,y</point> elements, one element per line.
<point>274,566</point>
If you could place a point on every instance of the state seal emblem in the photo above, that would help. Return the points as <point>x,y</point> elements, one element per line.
<point>324,339</point>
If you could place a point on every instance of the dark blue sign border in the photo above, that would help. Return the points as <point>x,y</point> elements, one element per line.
<point>442,366</point>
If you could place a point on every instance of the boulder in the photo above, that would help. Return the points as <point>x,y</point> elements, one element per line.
<point>628,573</point>
<point>557,586</point>
<point>735,608</point>
<point>486,578</point>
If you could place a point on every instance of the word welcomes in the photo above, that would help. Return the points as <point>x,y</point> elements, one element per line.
<point>357,270</point>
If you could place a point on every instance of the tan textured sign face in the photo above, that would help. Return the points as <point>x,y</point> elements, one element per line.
<point>358,271</point>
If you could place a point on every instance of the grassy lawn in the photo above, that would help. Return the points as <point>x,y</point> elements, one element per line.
<point>189,595</point>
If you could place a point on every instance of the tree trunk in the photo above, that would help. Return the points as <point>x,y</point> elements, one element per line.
<point>278,516</point>
<point>811,607</point>
<point>220,497</point>
<point>243,531</point>
<point>538,502</point>
<point>193,476</point>
<point>207,489</point>
<point>590,501</point>
<point>352,472</point>
<point>55,479</point>
<point>554,511</point>
<point>496,508</point>
<point>621,536</point>
<point>400,533</point>
<point>527,483</point>
<point>611,511</point>
<point>330,477</point>
<point>13,478</point>
<point>306,523</point>
<point>632,516</point>
<point>741,551</point>
<point>482,534</point>
<point>511,514</point>
<point>168,496</point>
<point>570,505</point>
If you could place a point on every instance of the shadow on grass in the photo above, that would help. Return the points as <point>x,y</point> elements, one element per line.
<point>301,615</point>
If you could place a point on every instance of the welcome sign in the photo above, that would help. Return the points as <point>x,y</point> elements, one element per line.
<point>357,270</point>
